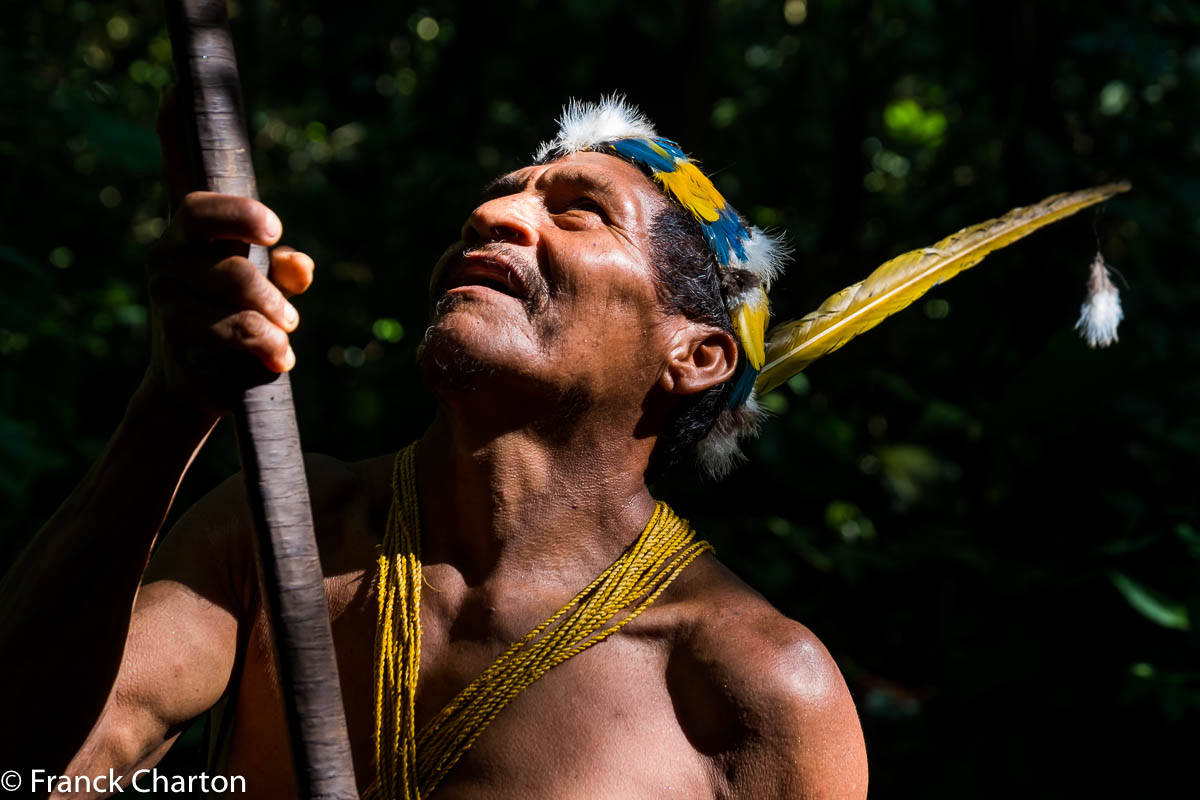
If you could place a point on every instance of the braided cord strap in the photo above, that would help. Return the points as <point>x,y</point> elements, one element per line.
<point>411,766</point>
<point>398,640</point>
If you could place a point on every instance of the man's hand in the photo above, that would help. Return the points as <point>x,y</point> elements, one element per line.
<point>211,309</point>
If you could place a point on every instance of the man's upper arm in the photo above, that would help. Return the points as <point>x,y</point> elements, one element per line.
<point>183,637</point>
<point>800,734</point>
<point>818,738</point>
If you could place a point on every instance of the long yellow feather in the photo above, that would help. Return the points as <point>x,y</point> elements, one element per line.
<point>792,346</point>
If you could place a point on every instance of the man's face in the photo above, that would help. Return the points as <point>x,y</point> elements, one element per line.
<point>552,283</point>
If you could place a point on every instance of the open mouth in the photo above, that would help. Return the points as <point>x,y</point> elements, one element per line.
<point>484,271</point>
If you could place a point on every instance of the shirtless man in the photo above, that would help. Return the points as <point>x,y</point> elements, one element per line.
<point>558,367</point>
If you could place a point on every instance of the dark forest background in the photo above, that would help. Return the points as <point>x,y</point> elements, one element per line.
<point>994,529</point>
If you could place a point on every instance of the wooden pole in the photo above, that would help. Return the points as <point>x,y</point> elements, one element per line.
<point>289,568</point>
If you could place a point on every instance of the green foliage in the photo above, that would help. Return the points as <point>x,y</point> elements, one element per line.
<point>906,120</point>
<point>955,503</point>
<point>1150,604</point>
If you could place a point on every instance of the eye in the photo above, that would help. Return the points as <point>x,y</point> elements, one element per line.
<point>587,205</point>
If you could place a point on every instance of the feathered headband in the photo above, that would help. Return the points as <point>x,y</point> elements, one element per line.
<point>749,259</point>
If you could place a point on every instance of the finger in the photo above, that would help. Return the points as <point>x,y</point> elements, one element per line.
<point>172,140</point>
<point>291,270</point>
<point>209,217</point>
<point>237,282</point>
<point>254,333</point>
<point>233,284</point>
<point>209,342</point>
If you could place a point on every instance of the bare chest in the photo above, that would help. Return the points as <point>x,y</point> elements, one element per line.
<point>602,724</point>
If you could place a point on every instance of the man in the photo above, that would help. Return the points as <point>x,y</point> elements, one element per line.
<point>586,329</point>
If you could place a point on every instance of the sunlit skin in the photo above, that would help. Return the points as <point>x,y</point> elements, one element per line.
<point>553,365</point>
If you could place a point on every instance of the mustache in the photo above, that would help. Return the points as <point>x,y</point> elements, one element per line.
<point>523,264</point>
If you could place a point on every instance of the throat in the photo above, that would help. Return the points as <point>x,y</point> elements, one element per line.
<point>512,509</point>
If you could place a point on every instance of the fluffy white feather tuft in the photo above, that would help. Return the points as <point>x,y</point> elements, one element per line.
<point>1101,311</point>
<point>766,256</point>
<point>751,296</point>
<point>583,125</point>
<point>718,452</point>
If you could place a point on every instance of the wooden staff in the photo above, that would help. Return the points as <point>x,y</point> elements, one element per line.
<point>289,568</point>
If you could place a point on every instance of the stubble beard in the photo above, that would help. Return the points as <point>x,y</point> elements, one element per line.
<point>448,364</point>
<point>446,361</point>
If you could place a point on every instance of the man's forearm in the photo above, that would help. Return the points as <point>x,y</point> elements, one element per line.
<point>65,604</point>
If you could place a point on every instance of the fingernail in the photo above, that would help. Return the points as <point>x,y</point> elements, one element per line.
<point>289,360</point>
<point>273,226</point>
<point>290,315</point>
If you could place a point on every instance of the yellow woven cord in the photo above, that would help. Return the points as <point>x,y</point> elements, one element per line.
<point>412,766</point>
<point>398,640</point>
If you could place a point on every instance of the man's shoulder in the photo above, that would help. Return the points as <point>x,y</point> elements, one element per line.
<point>759,689</point>
<point>217,531</point>
<point>747,645</point>
<point>333,484</point>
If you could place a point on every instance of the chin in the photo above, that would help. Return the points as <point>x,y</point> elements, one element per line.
<point>469,344</point>
<point>448,360</point>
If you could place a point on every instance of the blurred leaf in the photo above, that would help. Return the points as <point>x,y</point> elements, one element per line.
<point>1191,537</point>
<point>906,120</point>
<point>909,470</point>
<point>1150,604</point>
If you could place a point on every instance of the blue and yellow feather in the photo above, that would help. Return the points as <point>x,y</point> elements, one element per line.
<point>747,258</point>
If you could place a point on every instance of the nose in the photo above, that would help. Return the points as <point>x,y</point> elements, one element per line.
<point>502,219</point>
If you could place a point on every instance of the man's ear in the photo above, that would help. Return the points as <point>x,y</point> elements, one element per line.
<point>701,356</point>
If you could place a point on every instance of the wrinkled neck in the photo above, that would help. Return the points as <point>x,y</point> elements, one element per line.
<point>508,503</point>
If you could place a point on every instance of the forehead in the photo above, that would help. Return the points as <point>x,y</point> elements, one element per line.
<point>596,171</point>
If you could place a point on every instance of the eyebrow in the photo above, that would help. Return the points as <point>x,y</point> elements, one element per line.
<point>584,178</point>
<point>512,183</point>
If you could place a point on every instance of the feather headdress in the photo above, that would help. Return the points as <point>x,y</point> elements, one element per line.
<point>856,309</point>
<point>1101,311</point>
<point>750,259</point>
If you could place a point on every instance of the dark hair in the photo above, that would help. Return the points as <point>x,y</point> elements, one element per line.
<point>688,284</point>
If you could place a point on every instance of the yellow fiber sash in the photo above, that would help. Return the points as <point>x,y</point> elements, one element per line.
<point>411,764</point>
